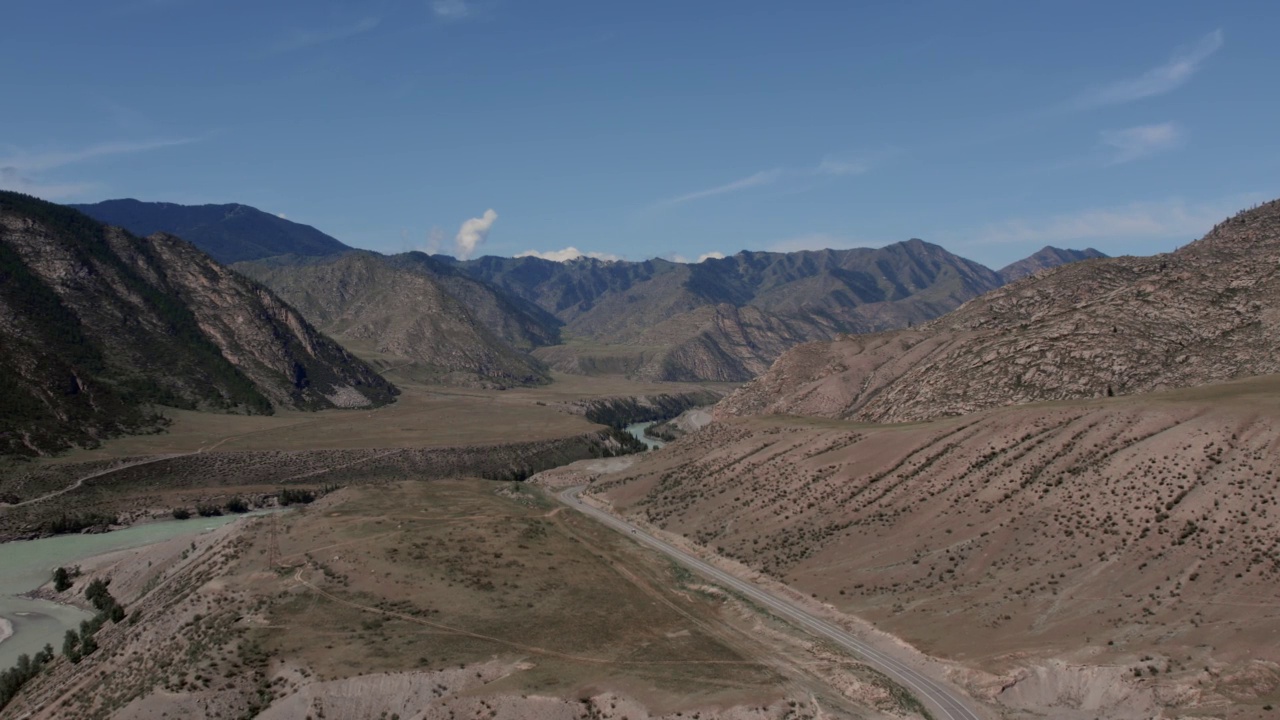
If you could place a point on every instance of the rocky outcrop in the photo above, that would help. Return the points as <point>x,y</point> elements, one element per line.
<point>98,326</point>
<point>1117,326</point>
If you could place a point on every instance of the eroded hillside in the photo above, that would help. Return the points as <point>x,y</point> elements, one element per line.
<point>1129,546</point>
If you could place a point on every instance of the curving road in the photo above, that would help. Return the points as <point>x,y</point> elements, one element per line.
<point>944,702</point>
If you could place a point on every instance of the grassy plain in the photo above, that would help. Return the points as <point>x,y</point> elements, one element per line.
<point>423,416</point>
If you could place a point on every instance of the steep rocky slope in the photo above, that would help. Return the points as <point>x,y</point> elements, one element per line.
<point>1116,557</point>
<point>229,233</point>
<point>453,329</point>
<point>97,325</point>
<point>1046,258</point>
<point>1117,326</point>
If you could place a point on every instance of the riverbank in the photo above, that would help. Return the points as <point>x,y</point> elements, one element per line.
<point>31,617</point>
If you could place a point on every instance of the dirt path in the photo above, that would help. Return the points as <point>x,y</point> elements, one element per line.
<point>82,480</point>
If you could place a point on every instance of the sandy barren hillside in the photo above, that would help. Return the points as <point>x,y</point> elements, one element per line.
<point>1117,555</point>
<point>1118,326</point>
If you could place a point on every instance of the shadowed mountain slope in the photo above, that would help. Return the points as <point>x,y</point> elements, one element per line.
<point>229,233</point>
<point>97,325</point>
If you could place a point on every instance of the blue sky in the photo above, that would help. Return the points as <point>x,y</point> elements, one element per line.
<point>673,129</point>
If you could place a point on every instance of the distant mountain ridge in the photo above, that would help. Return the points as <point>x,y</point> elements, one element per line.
<point>97,326</point>
<point>228,233</point>
<point>723,319</point>
<point>1206,313</point>
<point>1044,259</point>
<point>728,319</point>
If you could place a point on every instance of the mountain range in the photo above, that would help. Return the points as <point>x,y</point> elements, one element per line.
<point>507,321</point>
<point>97,326</point>
<point>1107,326</point>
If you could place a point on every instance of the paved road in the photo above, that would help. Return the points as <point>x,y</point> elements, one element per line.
<point>944,702</point>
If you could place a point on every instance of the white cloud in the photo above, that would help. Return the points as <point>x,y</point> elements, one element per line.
<point>1137,142</point>
<point>450,9</point>
<point>1158,80</point>
<point>678,258</point>
<point>282,216</point>
<point>300,39</point>
<point>473,232</point>
<point>827,168</point>
<point>1172,219</point>
<point>567,254</point>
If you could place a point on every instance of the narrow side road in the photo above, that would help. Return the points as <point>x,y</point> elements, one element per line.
<point>944,702</point>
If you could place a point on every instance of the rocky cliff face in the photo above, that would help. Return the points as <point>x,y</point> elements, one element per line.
<point>1101,327</point>
<point>97,326</point>
<point>400,309</point>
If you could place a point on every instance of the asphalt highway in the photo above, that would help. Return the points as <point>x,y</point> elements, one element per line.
<point>944,702</point>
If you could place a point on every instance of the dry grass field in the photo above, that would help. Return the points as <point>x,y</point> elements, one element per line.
<point>422,416</point>
<point>447,599</point>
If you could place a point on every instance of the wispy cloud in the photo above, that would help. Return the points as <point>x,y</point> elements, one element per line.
<point>812,241</point>
<point>826,168</point>
<point>21,170</point>
<point>11,179</point>
<point>451,9</point>
<point>1133,143</point>
<point>27,161</point>
<point>1158,80</point>
<point>1171,219</point>
<point>305,38</point>
<point>567,254</point>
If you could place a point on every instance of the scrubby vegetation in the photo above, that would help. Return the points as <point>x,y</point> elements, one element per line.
<point>620,412</point>
<point>75,646</point>
<point>27,667</point>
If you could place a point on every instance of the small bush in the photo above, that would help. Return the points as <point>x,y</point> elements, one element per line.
<point>181,514</point>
